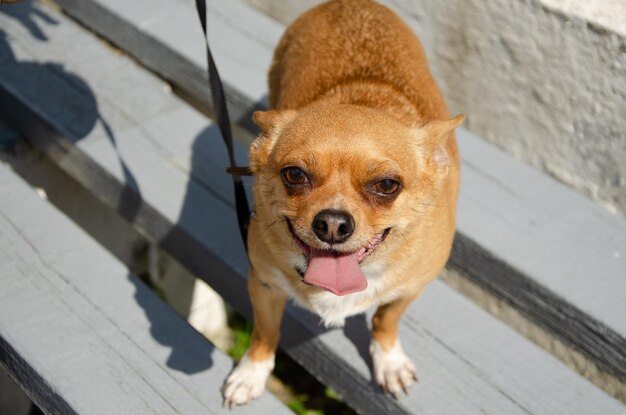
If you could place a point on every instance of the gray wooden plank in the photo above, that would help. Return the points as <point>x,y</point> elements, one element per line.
<point>86,336</point>
<point>175,23</point>
<point>179,202</point>
<point>583,246</point>
<point>539,238</point>
<point>544,249</point>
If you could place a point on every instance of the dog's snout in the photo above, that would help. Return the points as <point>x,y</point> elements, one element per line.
<point>333,226</point>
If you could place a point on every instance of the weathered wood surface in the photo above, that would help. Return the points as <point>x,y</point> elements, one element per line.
<point>240,38</point>
<point>546,250</point>
<point>161,164</point>
<point>83,335</point>
<point>534,243</point>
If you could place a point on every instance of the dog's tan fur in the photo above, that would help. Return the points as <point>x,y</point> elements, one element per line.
<point>353,101</point>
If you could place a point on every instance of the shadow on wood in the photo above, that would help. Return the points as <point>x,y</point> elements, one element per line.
<point>66,96</point>
<point>167,333</point>
<point>72,103</point>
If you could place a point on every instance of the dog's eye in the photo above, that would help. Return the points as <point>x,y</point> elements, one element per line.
<point>294,176</point>
<point>386,187</point>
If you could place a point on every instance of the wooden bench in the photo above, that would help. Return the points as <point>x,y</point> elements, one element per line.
<point>522,236</point>
<point>146,153</point>
<point>501,247</point>
<point>81,334</point>
<point>501,244</point>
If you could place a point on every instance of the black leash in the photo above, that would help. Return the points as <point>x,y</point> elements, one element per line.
<point>223,121</point>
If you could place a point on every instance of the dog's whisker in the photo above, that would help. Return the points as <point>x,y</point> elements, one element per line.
<point>275,222</point>
<point>280,219</point>
<point>400,235</point>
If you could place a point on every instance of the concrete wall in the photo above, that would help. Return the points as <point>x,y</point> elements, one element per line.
<point>544,80</point>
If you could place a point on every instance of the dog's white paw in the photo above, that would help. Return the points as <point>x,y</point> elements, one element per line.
<point>393,370</point>
<point>247,381</point>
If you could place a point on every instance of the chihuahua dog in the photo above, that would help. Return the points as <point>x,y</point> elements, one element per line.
<point>357,178</point>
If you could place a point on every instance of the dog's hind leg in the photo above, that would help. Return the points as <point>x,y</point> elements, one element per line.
<point>247,380</point>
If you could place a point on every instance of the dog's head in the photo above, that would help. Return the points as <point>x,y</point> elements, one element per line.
<point>335,183</point>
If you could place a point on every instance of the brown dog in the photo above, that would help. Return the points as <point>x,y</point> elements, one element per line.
<point>356,186</point>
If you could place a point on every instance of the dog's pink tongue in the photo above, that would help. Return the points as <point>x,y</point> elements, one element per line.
<point>339,274</point>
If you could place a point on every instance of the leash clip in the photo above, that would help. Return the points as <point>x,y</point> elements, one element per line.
<point>239,171</point>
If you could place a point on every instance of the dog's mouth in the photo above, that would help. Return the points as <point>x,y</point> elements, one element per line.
<point>335,271</point>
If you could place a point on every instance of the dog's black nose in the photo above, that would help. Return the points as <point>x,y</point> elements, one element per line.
<point>333,226</point>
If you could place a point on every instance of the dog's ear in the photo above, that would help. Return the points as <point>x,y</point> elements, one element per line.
<point>271,123</point>
<point>273,119</point>
<point>437,133</point>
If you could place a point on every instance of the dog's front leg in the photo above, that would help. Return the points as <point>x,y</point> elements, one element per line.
<point>393,370</point>
<point>247,381</point>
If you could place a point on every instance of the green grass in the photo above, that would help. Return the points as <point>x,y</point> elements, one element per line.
<point>299,405</point>
<point>242,335</point>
